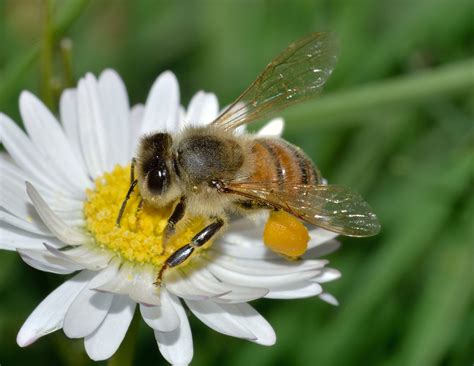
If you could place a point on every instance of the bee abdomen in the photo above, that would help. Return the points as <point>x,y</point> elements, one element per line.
<point>278,160</point>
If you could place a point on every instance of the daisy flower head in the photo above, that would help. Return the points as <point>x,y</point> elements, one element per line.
<point>62,185</point>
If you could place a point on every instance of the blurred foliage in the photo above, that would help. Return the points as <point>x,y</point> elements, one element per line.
<point>396,123</point>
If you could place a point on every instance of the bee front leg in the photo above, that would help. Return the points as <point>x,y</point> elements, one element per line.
<point>176,216</point>
<point>133,183</point>
<point>185,251</point>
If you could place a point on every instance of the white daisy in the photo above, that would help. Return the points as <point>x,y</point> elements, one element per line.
<point>76,174</point>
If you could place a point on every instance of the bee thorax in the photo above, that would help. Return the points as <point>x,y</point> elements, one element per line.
<point>206,157</point>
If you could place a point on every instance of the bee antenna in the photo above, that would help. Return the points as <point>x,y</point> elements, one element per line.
<point>124,203</point>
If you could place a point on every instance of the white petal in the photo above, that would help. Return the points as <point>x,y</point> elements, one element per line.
<point>136,121</point>
<point>105,341</point>
<point>269,282</point>
<point>246,231</point>
<point>323,249</point>
<point>177,346</point>
<point>93,258</point>
<point>243,239</point>
<point>115,107</point>
<point>273,128</point>
<point>26,223</point>
<point>161,109</point>
<point>45,261</point>
<point>89,308</point>
<point>248,317</point>
<point>203,109</point>
<point>275,267</point>
<point>57,226</point>
<point>49,314</point>
<point>180,285</point>
<point>320,236</point>
<point>330,299</point>
<point>26,156</point>
<point>163,317</point>
<point>92,133</point>
<point>49,138</point>
<point>70,120</point>
<point>203,279</point>
<point>14,198</point>
<point>12,238</point>
<point>10,170</point>
<point>327,275</point>
<point>217,318</point>
<point>136,282</point>
<point>244,251</point>
<point>296,291</point>
<point>181,119</point>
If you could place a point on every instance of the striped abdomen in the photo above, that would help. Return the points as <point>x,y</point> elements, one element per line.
<point>279,161</point>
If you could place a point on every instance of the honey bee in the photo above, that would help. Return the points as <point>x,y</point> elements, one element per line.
<point>215,170</point>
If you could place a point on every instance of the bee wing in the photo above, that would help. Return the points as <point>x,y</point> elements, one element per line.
<point>298,73</point>
<point>332,207</point>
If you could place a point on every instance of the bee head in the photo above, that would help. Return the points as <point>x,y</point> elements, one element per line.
<point>153,166</point>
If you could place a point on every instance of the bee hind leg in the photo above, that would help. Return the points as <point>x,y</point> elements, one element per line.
<point>183,253</point>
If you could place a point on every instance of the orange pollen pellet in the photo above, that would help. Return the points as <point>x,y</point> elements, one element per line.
<point>285,234</point>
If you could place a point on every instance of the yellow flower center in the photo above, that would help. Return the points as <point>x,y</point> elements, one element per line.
<point>139,239</point>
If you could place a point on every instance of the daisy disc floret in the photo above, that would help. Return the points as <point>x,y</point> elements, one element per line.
<point>139,237</point>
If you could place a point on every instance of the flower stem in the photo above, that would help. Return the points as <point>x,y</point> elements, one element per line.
<point>12,74</point>
<point>46,57</point>
<point>124,355</point>
<point>66,52</point>
<point>344,106</point>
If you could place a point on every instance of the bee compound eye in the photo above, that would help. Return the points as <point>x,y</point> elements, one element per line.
<point>158,179</point>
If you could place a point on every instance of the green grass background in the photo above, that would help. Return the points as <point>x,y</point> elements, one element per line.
<point>395,122</point>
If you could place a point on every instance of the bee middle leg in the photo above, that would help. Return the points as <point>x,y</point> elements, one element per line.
<point>176,216</point>
<point>183,253</point>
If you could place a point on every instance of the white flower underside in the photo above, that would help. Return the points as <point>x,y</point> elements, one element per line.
<point>59,161</point>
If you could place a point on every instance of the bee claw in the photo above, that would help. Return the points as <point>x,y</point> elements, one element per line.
<point>157,283</point>
<point>159,279</point>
